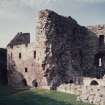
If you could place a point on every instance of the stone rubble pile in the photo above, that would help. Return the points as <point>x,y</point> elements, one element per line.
<point>93,94</point>
<point>70,88</point>
<point>89,94</point>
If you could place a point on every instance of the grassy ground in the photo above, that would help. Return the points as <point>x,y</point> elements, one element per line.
<point>35,97</point>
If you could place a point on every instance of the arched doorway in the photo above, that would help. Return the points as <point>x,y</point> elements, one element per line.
<point>94,83</point>
<point>71,81</point>
<point>24,82</point>
<point>35,83</point>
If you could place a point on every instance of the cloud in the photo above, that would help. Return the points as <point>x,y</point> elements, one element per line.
<point>30,3</point>
<point>13,9</point>
<point>48,1</point>
<point>91,1</point>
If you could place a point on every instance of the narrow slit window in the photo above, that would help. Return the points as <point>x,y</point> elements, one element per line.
<point>34,54</point>
<point>101,40</point>
<point>26,70</point>
<point>20,55</point>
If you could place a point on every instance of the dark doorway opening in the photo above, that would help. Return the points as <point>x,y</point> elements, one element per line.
<point>35,83</point>
<point>71,82</point>
<point>94,82</point>
<point>24,82</point>
<point>101,40</point>
<point>20,55</point>
<point>26,69</point>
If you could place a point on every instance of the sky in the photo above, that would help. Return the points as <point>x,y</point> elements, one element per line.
<point>20,15</point>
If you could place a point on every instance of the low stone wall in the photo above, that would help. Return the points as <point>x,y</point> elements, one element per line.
<point>89,94</point>
<point>88,81</point>
<point>93,94</point>
<point>70,88</point>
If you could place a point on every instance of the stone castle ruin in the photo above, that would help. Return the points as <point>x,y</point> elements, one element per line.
<point>65,56</point>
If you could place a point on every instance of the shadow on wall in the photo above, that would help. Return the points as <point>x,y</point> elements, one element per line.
<point>95,55</point>
<point>3,66</point>
<point>15,78</point>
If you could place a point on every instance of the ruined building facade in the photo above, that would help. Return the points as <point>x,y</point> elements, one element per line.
<point>21,61</point>
<point>63,52</point>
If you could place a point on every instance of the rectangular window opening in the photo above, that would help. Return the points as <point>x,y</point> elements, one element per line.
<point>34,54</point>
<point>101,40</point>
<point>26,70</point>
<point>19,55</point>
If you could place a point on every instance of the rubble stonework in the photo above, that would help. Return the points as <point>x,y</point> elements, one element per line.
<point>65,56</point>
<point>93,94</point>
<point>59,48</point>
<point>67,50</point>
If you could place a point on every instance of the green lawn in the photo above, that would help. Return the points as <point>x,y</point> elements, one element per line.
<point>36,97</point>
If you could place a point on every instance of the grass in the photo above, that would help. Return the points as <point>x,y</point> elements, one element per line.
<point>36,97</point>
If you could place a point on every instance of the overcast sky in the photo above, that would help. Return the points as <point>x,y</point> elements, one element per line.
<point>19,15</point>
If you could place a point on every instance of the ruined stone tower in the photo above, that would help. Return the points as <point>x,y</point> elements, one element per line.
<point>58,49</point>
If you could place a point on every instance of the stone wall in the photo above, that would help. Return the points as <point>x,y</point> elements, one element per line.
<point>59,48</point>
<point>70,88</point>
<point>93,94</point>
<point>88,81</point>
<point>98,29</point>
<point>66,51</point>
<point>21,65</point>
<point>3,66</point>
<point>94,52</point>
